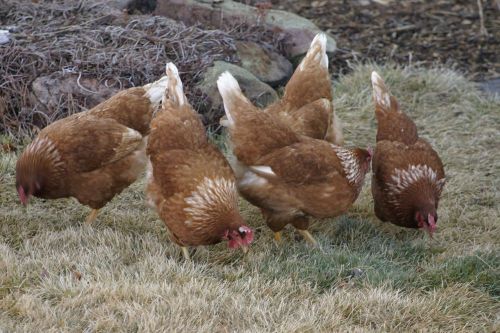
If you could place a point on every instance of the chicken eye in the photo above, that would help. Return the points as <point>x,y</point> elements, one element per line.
<point>242,233</point>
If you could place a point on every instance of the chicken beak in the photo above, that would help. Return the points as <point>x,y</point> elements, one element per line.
<point>431,225</point>
<point>22,196</point>
<point>244,248</point>
<point>370,152</point>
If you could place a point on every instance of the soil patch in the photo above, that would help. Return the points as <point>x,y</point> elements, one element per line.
<point>428,33</point>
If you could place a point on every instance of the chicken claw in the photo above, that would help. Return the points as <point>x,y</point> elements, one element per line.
<point>308,237</point>
<point>277,236</point>
<point>185,253</point>
<point>91,217</point>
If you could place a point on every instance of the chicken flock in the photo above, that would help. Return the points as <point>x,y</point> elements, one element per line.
<point>288,159</point>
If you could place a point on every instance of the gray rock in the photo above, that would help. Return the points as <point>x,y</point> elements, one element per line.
<point>258,92</point>
<point>49,89</point>
<point>269,67</point>
<point>356,272</point>
<point>298,32</point>
<point>121,4</point>
<point>4,36</point>
<point>491,87</point>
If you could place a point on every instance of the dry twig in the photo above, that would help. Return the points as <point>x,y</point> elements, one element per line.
<point>483,30</point>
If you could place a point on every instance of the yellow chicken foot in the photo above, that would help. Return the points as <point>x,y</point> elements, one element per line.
<point>277,236</point>
<point>185,253</point>
<point>308,237</point>
<point>91,217</point>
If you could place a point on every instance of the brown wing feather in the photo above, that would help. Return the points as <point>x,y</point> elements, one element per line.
<point>257,133</point>
<point>97,187</point>
<point>391,155</point>
<point>181,171</point>
<point>87,143</point>
<point>311,161</point>
<point>176,128</point>
<point>311,120</point>
<point>395,126</point>
<point>130,108</point>
<point>308,178</point>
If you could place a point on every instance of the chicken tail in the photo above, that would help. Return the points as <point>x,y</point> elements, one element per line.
<point>254,132</point>
<point>393,125</point>
<point>177,125</point>
<point>233,98</point>
<point>316,53</point>
<point>311,80</point>
<point>335,133</point>
<point>381,96</point>
<point>155,90</point>
<point>175,91</point>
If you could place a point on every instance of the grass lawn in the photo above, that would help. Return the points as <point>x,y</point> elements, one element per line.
<point>123,274</point>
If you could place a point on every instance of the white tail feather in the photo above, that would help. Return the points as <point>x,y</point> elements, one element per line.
<point>175,89</point>
<point>263,170</point>
<point>155,90</point>
<point>312,55</point>
<point>228,87</point>
<point>337,129</point>
<point>380,92</point>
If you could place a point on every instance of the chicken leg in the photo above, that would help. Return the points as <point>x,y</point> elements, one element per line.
<point>301,223</point>
<point>92,216</point>
<point>185,253</point>
<point>308,237</point>
<point>275,222</point>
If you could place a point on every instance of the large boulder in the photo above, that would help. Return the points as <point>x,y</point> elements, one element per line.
<point>257,91</point>
<point>297,31</point>
<point>269,67</point>
<point>4,36</point>
<point>491,87</point>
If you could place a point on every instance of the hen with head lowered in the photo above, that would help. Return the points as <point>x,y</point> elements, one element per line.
<point>92,155</point>
<point>289,176</point>
<point>190,182</point>
<point>307,106</point>
<point>408,175</point>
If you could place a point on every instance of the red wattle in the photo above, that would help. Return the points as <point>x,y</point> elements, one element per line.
<point>22,195</point>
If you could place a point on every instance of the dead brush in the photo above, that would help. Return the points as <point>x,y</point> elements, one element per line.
<point>95,41</point>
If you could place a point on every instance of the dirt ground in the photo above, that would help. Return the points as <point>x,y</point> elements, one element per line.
<point>427,32</point>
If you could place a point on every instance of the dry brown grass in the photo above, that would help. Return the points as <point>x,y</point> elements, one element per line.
<point>123,274</point>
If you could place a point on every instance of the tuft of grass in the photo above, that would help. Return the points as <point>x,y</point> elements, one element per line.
<point>123,274</point>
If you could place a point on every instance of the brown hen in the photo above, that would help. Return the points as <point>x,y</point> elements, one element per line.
<point>190,182</point>
<point>408,175</point>
<point>289,176</point>
<point>91,155</point>
<point>306,106</point>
